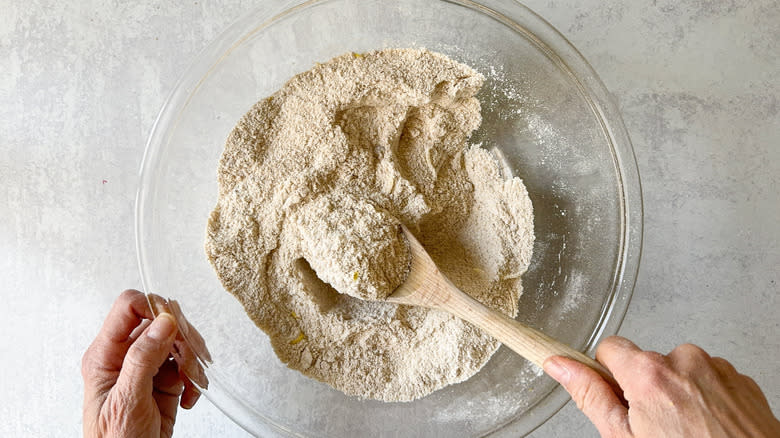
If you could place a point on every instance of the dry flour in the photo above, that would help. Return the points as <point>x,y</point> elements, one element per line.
<point>313,184</point>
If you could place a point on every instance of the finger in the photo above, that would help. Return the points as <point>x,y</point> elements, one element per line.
<point>103,359</point>
<point>694,364</point>
<point>734,379</point>
<point>191,393</point>
<point>614,353</point>
<point>167,389</point>
<point>690,359</point>
<point>748,383</point>
<point>139,330</point>
<point>593,395</point>
<point>127,312</point>
<point>167,380</point>
<point>111,344</point>
<point>615,347</point>
<point>724,367</point>
<point>146,355</point>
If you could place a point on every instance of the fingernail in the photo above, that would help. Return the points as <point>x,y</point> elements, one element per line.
<point>557,371</point>
<point>162,328</point>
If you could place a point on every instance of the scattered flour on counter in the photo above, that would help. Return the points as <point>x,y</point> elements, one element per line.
<point>314,182</point>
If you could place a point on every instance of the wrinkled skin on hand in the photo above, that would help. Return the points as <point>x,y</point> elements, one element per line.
<point>132,386</point>
<point>686,393</point>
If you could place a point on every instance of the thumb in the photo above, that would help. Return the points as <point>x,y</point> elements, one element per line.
<point>147,354</point>
<point>593,395</point>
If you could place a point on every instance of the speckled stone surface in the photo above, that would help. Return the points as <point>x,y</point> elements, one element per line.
<point>81,84</point>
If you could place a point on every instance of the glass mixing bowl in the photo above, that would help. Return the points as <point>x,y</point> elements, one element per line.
<point>545,111</point>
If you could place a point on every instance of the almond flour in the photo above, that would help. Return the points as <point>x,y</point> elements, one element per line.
<point>313,184</point>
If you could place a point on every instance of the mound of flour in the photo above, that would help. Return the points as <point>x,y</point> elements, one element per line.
<point>313,184</point>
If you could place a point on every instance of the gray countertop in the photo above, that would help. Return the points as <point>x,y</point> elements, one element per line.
<point>81,84</point>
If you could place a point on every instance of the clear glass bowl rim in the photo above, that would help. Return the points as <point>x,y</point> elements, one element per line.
<point>547,39</point>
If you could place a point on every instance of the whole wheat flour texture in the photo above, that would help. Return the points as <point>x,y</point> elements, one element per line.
<point>313,184</point>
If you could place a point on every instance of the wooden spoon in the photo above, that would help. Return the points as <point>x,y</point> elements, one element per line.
<point>426,286</point>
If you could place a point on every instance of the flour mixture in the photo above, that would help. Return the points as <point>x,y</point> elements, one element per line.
<point>313,185</point>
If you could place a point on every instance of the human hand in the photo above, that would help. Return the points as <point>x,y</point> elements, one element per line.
<point>686,393</point>
<point>131,385</point>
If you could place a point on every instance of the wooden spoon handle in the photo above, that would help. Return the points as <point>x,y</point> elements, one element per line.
<point>525,341</point>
